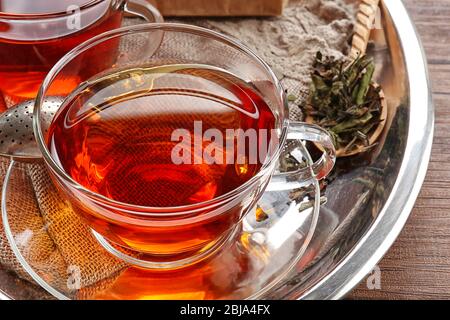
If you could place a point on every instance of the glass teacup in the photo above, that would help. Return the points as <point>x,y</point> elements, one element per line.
<point>34,35</point>
<point>175,236</point>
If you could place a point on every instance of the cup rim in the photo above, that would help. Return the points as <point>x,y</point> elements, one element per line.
<point>46,15</point>
<point>149,210</point>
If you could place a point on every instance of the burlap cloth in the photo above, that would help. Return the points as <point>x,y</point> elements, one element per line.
<point>54,239</point>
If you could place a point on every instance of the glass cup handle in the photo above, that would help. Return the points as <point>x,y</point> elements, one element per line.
<point>297,133</point>
<point>143,9</point>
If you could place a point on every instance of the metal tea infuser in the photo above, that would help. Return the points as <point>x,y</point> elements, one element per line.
<point>17,140</point>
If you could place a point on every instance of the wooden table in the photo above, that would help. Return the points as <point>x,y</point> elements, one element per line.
<point>418,264</point>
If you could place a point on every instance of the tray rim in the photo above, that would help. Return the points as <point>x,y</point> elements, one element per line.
<point>371,248</point>
<point>3,296</point>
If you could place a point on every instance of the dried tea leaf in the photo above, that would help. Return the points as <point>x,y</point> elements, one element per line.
<point>343,101</point>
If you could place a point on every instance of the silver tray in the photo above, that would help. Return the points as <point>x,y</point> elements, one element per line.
<point>379,191</point>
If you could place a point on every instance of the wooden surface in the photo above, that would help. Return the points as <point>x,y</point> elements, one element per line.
<point>418,264</point>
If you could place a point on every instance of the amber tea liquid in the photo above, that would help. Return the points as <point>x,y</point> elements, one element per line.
<point>29,48</point>
<point>113,136</point>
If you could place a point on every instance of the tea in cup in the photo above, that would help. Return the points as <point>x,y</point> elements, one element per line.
<point>34,35</point>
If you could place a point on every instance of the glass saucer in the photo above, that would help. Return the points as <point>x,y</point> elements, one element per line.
<point>270,241</point>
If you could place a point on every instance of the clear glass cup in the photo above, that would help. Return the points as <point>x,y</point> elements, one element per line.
<point>171,237</point>
<point>34,35</point>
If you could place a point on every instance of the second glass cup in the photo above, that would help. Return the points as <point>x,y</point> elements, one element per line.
<point>169,233</point>
<point>34,35</point>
